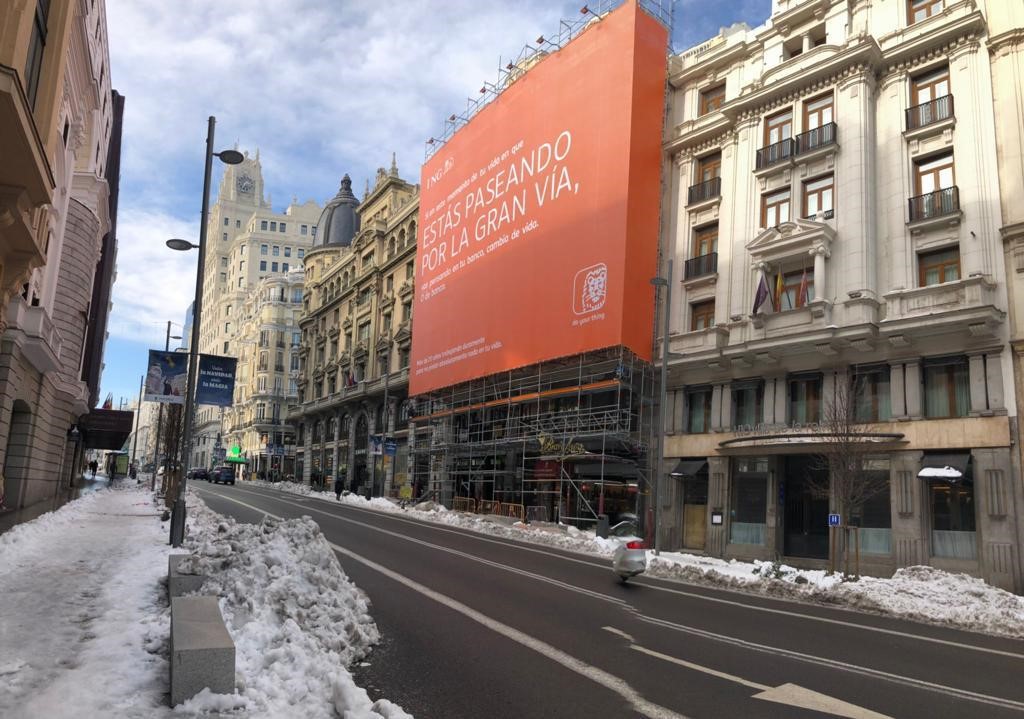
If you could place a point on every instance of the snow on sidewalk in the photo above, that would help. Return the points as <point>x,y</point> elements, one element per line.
<point>919,593</point>
<point>85,624</point>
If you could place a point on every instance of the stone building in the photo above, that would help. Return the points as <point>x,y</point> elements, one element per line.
<point>267,375</point>
<point>356,337</point>
<point>60,130</point>
<point>246,242</point>
<point>834,211</point>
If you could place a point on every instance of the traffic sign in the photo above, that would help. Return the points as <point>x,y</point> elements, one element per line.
<point>834,520</point>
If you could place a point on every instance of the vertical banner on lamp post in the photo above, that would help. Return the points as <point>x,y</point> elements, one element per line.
<point>216,383</point>
<point>166,377</point>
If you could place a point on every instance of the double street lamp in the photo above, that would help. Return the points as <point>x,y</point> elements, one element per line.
<point>659,471</point>
<point>228,157</point>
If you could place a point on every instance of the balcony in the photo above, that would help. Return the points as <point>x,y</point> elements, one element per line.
<point>819,137</point>
<point>42,345</point>
<point>700,266</point>
<point>929,113</point>
<point>709,190</point>
<point>934,205</point>
<point>967,307</point>
<point>776,153</point>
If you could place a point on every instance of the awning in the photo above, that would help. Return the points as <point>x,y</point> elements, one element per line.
<point>951,467</point>
<point>689,468</point>
<point>106,428</point>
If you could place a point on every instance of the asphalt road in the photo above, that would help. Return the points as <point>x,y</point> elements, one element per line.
<point>475,626</point>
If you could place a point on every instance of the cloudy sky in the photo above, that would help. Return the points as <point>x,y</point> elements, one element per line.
<point>321,87</point>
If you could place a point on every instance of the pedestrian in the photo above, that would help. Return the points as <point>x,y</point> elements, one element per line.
<point>338,484</point>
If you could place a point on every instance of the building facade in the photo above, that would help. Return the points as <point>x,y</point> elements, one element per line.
<point>246,242</point>
<point>353,415</point>
<point>834,209</point>
<point>267,376</point>
<point>60,124</point>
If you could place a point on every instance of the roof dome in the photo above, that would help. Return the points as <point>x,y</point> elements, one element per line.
<point>339,222</point>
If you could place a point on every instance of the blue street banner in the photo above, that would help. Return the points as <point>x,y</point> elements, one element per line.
<point>390,447</point>
<point>376,444</point>
<point>216,384</point>
<point>167,377</point>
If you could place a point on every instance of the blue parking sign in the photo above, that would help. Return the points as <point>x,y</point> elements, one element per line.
<point>833,520</point>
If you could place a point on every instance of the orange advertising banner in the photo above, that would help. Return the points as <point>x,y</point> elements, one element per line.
<point>539,218</point>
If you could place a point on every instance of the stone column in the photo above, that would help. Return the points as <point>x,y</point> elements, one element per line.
<point>820,253</point>
<point>897,391</point>
<point>781,400</point>
<point>768,401</point>
<point>334,448</point>
<point>912,375</point>
<point>718,501</point>
<point>805,44</point>
<point>908,495</point>
<point>994,380</point>
<point>716,408</point>
<point>978,390</point>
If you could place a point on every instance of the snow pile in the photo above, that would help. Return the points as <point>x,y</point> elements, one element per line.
<point>297,621</point>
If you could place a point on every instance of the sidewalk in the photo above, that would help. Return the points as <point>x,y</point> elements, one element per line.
<point>85,620</point>
<point>12,517</point>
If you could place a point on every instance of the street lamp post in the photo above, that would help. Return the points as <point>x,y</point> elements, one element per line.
<point>230,157</point>
<point>662,399</point>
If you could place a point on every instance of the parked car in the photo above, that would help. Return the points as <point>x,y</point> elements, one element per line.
<point>223,474</point>
<point>199,473</point>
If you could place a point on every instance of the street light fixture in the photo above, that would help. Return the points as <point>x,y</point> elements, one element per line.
<point>228,157</point>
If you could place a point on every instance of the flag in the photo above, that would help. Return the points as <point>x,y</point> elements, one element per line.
<point>761,295</point>
<point>108,403</point>
<point>801,295</point>
<point>778,291</point>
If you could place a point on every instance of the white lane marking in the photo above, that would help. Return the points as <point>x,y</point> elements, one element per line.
<point>789,694</point>
<point>620,633</point>
<point>842,666</point>
<point>587,671</point>
<point>694,595</point>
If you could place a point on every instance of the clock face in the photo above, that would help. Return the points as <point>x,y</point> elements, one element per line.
<point>245,184</point>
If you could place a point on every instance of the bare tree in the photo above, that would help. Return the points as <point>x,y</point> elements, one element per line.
<point>845,458</point>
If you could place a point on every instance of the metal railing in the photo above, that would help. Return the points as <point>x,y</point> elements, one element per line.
<point>700,266</point>
<point>705,190</point>
<point>818,137</point>
<point>935,204</point>
<point>941,108</point>
<point>777,152</point>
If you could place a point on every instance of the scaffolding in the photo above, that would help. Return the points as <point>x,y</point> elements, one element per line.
<point>566,439</point>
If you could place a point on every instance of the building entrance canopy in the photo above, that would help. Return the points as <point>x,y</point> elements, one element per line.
<point>689,468</point>
<point>951,467</point>
<point>106,428</point>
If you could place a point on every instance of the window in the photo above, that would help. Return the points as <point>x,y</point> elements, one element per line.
<point>303,229</point>
<point>747,399</point>
<point>918,10</point>
<point>805,399</point>
<point>410,267</point>
<point>273,226</point>
<point>312,230</point>
<point>749,506</point>
<point>263,224</point>
<point>711,99</point>
<point>702,315</point>
<point>817,112</point>
<point>281,227</point>
<point>224,237</point>
<point>287,251</point>
<point>952,509</point>
<point>934,174</point>
<point>302,253</point>
<point>263,249</point>
<point>238,224</point>
<point>710,167</point>
<point>263,265</point>
<point>946,387</point>
<point>273,267</point>
<point>364,332</point>
<point>775,209</point>
<point>36,46</point>
<point>929,86</point>
<point>223,276</point>
<point>226,222</point>
<point>239,281</point>
<point>818,197</point>
<point>937,267</point>
<point>297,295</point>
<point>778,127</point>
<point>389,284</point>
<point>869,387</point>
<point>223,261</point>
<point>284,267</point>
<point>796,289</point>
<point>698,410</point>
<point>406,311</point>
<point>226,344</point>
<point>276,251</point>
<point>705,240</point>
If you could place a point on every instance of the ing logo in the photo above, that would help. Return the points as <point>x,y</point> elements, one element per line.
<point>590,289</point>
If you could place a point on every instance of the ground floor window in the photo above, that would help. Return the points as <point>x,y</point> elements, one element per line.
<point>874,517</point>
<point>953,529</point>
<point>749,507</point>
